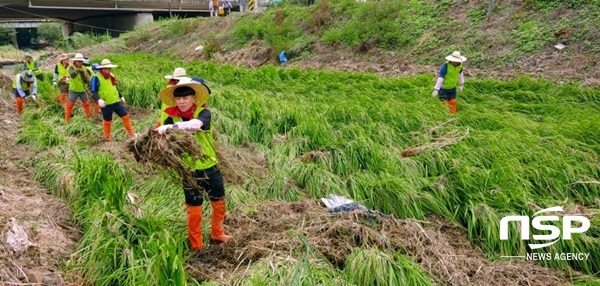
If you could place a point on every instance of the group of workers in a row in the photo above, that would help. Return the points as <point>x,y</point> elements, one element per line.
<point>183,108</point>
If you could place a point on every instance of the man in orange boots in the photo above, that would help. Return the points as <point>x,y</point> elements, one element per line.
<point>187,99</point>
<point>79,79</point>
<point>24,84</point>
<point>61,77</point>
<point>450,80</point>
<point>104,89</point>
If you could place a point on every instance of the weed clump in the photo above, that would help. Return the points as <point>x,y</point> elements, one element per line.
<point>167,150</point>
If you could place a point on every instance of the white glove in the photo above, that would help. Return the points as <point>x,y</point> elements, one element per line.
<point>123,100</point>
<point>163,128</point>
<point>434,93</point>
<point>101,103</point>
<point>460,89</point>
<point>54,83</point>
<point>34,97</point>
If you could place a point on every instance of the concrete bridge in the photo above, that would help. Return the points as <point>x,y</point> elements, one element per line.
<point>114,16</point>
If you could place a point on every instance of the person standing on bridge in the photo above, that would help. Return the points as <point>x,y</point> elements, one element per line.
<point>450,80</point>
<point>32,65</point>
<point>187,114</point>
<point>61,77</point>
<point>24,84</point>
<point>104,88</point>
<point>78,84</point>
<point>213,7</point>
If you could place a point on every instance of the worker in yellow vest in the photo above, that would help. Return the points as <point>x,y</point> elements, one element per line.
<point>450,80</point>
<point>24,84</point>
<point>186,113</point>
<point>61,77</point>
<point>104,89</point>
<point>79,79</point>
<point>32,65</point>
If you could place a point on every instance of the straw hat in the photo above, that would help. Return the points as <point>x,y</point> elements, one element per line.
<point>27,76</point>
<point>28,55</point>
<point>78,57</point>
<point>63,57</point>
<point>178,73</point>
<point>166,95</point>
<point>456,57</point>
<point>105,64</point>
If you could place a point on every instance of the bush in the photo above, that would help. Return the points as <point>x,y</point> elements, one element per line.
<point>51,32</point>
<point>6,36</point>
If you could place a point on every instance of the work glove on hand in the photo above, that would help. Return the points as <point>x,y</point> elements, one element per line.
<point>101,103</point>
<point>34,97</point>
<point>54,83</point>
<point>123,100</point>
<point>460,89</point>
<point>163,128</point>
<point>434,93</point>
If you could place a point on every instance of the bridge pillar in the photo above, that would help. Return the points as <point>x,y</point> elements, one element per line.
<point>67,29</point>
<point>114,24</point>
<point>128,22</point>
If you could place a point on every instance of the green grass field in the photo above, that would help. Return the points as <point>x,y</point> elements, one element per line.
<point>514,148</point>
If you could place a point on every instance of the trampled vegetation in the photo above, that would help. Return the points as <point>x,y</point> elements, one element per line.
<point>513,148</point>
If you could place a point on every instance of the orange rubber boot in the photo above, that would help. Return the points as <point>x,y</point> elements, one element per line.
<point>194,222</point>
<point>86,108</point>
<point>106,128</point>
<point>68,111</point>
<point>63,99</point>
<point>218,216</point>
<point>452,106</point>
<point>19,104</point>
<point>127,125</point>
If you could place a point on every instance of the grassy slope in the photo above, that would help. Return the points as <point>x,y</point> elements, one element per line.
<point>518,39</point>
<point>531,144</point>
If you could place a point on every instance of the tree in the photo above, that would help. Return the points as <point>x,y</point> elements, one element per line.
<point>50,32</point>
<point>7,36</point>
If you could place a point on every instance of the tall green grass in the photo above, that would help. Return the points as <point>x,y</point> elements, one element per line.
<point>531,144</point>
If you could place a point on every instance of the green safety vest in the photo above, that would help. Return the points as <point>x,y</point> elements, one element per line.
<point>31,66</point>
<point>23,84</point>
<point>107,91</point>
<point>77,84</point>
<point>62,71</point>
<point>452,74</point>
<point>206,140</point>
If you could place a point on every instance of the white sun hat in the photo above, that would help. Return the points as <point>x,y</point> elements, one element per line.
<point>456,57</point>
<point>78,57</point>
<point>178,73</point>
<point>105,64</point>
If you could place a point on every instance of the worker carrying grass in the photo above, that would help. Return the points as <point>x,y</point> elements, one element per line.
<point>79,80</point>
<point>178,74</point>
<point>450,79</point>
<point>61,77</point>
<point>104,88</point>
<point>24,84</point>
<point>32,65</point>
<point>186,113</point>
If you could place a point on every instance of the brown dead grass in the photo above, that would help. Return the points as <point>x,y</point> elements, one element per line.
<point>264,232</point>
<point>45,219</point>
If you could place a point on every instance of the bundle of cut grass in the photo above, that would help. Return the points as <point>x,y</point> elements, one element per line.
<point>167,151</point>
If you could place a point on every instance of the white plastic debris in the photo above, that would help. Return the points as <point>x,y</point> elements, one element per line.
<point>199,48</point>
<point>559,46</point>
<point>16,238</point>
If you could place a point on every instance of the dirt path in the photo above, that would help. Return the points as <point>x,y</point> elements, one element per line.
<point>50,236</point>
